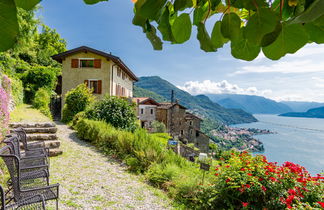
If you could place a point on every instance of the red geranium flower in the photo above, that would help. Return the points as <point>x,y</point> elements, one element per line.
<point>264,188</point>
<point>321,203</point>
<point>245,204</point>
<point>228,180</point>
<point>249,174</point>
<point>242,169</point>
<point>247,186</point>
<point>273,179</point>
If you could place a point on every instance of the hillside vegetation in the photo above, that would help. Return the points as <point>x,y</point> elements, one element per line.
<point>250,103</point>
<point>311,113</point>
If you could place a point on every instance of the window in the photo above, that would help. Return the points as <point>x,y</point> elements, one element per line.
<point>191,131</point>
<point>181,132</point>
<point>95,85</point>
<point>118,72</point>
<point>190,123</point>
<point>142,111</point>
<point>86,63</point>
<point>152,111</point>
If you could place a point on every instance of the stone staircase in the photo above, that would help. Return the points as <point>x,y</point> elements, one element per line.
<point>45,132</point>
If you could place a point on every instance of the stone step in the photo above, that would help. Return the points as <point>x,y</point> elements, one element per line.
<point>32,125</point>
<point>49,144</point>
<point>41,130</point>
<point>55,152</point>
<point>41,137</point>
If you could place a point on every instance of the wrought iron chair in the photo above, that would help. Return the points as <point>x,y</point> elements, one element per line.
<point>25,188</point>
<point>34,202</point>
<point>31,149</point>
<point>26,160</point>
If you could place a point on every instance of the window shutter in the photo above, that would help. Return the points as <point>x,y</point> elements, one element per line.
<point>75,63</point>
<point>97,63</point>
<point>99,86</point>
<point>86,82</point>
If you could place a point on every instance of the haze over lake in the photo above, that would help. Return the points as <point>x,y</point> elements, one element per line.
<point>299,140</point>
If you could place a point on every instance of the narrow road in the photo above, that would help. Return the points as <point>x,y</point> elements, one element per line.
<point>91,180</point>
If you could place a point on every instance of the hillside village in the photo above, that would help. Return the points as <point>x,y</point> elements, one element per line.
<point>80,130</point>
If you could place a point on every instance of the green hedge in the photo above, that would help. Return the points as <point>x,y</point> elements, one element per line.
<point>42,100</point>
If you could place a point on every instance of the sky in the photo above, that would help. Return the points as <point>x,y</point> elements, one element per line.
<point>107,26</point>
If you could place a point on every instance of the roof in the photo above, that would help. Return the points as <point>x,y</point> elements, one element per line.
<point>59,58</point>
<point>168,105</point>
<point>190,116</point>
<point>143,100</point>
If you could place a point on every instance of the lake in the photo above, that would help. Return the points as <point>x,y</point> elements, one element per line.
<point>298,140</point>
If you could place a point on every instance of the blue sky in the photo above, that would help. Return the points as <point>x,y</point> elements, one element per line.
<point>108,26</point>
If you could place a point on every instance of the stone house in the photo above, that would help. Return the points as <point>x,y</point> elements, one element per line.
<point>172,115</point>
<point>103,72</point>
<point>182,124</point>
<point>146,111</point>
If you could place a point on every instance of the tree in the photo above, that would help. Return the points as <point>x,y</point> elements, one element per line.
<point>276,27</point>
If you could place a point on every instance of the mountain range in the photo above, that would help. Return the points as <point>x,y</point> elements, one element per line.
<point>250,103</point>
<point>200,105</point>
<point>311,113</point>
<point>300,106</point>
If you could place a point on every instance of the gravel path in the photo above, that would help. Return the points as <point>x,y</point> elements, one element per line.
<point>90,180</point>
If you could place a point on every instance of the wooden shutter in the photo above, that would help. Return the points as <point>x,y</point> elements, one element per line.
<point>97,63</point>
<point>87,83</point>
<point>99,86</point>
<point>75,63</point>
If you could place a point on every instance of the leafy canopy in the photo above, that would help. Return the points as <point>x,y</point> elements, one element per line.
<point>276,27</point>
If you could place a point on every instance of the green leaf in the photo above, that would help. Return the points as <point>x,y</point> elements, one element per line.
<point>271,37</point>
<point>249,4</point>
<point>154,39</point>
<point>231,26</point>
<point>217,37</point>
<point>261,23</point>
<point>181,28</point>
<point>150,8</point>
<point>26,4</point>
<point>214,4</point>
<point>244,49</point>
<point>91,1</point>
<point>200,14</point>
<point>204,39</point>
<point>314,11</point>
<point>182,4</point>
<point>165,26</point>
<point>292,38</point>
<point>9,24</point>
<point>315,32</point>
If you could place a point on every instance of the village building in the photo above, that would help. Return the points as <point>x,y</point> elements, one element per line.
<point>146,111</point>
<point>100,71</point>
<point>183,125</point>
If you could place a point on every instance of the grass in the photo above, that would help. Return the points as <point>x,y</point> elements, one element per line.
<point>25,113</point>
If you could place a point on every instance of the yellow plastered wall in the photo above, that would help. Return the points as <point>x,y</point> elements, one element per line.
<point>72,77</point>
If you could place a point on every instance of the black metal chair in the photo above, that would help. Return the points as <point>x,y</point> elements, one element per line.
<point>26,160</point>
<point>34,202</point>
<point>26,188</point>
<point>31,149</point>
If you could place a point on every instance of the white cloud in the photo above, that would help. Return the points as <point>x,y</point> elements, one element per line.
<point>285,67</point>
<point>319,82</point>
<point>210,87</point>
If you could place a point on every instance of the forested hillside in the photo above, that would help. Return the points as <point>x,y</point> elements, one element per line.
<point>250,103</point>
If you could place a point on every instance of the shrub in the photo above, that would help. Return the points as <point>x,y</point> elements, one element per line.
<point>246,181</point>
<point>38,77</point>
<point>76,100</point>
<point>158,127</point>
<point>17,91</point>
<point>4,112</point>
<point>116,111</point>
<point>42,100</point>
